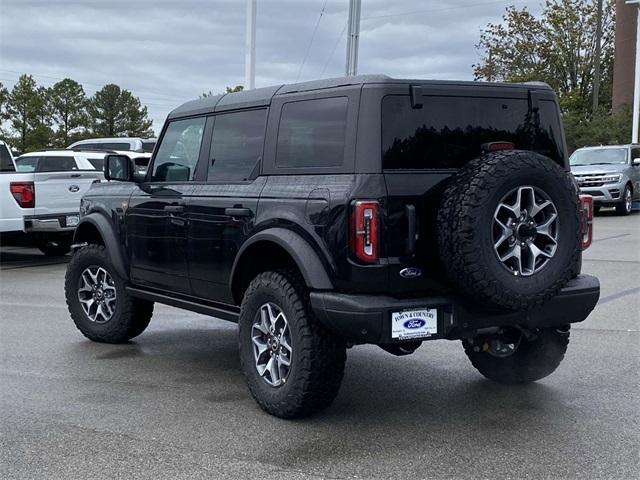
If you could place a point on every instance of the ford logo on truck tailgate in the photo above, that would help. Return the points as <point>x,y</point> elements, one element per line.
<point>74,188</point>
<point>414,323</point>
<point>410,272</point>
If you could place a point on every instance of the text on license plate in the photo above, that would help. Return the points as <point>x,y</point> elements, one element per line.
<point>414,323</point>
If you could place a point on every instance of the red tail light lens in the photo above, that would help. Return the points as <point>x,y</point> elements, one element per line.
<point>365,231</point>
<point>586,220</point>
<point>496,146</point>
<point>24,193</point>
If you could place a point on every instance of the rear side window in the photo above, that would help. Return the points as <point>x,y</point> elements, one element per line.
<point>148,146</point>
<point>126,146</point>
<point>98,163</point>
<point>6,165</point>
<point>312,133</point>
<point>236,145</point>
<point>26,164</point>
<point>448,131</point>
<point>178,152</point>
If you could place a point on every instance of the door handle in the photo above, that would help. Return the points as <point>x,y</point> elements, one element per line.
<point>174,208</point>
<point>75,175</point>
<point>237,212</point>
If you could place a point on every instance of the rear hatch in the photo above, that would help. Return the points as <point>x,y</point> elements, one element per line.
<point>426,138</point>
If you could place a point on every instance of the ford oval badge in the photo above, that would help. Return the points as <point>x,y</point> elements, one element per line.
<point>410,272</point>
<point>414,323</point>
<point>74,188</point>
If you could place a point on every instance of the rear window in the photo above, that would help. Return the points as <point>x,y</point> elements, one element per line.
<point>56,164</point>
<point>312,133</point>
<point>26,164</point>
<point>448,131</point>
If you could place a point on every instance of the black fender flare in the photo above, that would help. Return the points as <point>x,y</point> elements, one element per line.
<point>109,238</point>
<point>306,258</point>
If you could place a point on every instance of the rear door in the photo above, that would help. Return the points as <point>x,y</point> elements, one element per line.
<point>60,182</point>
<point>157,215</point>
<point>223,209</point>
<point>427,140</point>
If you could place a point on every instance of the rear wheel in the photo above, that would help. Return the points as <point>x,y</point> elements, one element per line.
<point>626,203</point>
<point>513,356</point>
<point>98,301</point>
<point>55,246</point>
<point>292,364</point>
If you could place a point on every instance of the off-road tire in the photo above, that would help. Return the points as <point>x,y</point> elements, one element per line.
<point>55,246</point>
<point>531,361</point>
<point>318,360</point>
<point>621,208</point>
<point>464,229</point>
<point>131,316</point>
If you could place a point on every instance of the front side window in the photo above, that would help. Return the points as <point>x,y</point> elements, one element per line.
<point>312,133</point>
<point>236,145</point>
<point>177,154</point>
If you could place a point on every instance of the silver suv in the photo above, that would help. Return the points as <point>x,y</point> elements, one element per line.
<point>610,174</point>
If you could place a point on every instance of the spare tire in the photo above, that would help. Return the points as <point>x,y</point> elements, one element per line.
<point>508,229</point>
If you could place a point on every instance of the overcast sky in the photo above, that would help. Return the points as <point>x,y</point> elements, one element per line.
<point>170,51</point>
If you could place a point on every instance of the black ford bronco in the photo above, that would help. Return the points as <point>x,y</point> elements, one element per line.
<point>357,210</point>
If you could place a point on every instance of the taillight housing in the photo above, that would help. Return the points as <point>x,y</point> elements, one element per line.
<point>24,193</point>
<point>365,231</point>
<point>586,221</point>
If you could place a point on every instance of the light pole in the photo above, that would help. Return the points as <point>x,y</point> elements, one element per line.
<point>250,47</point>
<point>353,37</point>
<point>636,88</point>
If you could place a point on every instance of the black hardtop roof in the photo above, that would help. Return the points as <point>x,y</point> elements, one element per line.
<point>262,96</point>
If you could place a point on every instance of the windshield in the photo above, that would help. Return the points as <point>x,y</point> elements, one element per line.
<point>600,156</point>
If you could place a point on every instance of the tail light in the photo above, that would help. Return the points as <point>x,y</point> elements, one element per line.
<point>586,221</point>
<point>365,231</point>
<point>24,193</point>
<point>496,146</point>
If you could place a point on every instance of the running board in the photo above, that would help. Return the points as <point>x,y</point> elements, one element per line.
<point>218,310</point>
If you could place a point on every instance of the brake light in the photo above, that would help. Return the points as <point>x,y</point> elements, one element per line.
<point>586,221</point>
<point>495,146</point>
<point>24,193</point>
<point>365,231</point>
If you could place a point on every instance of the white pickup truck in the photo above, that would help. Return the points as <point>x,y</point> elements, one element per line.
<point>41,198</point>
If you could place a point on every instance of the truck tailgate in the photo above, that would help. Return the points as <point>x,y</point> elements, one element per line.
<point>60,192</point>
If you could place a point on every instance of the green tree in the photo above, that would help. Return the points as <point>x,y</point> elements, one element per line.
<point>4,98</point>
<point>557,48</point>
<point>237,88</point>
<point>116,112</point>
<point>23,106</point>
<point>69,108</point>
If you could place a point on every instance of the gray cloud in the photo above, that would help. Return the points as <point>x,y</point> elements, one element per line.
<point>168,52</point>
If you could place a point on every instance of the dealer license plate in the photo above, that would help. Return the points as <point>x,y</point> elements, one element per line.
<point>72,220</point>
<point>410,324</point>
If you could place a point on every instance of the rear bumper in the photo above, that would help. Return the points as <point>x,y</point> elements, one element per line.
<point>49,223</point>
<point>367,318</point>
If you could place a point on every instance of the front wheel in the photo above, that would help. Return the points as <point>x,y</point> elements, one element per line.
<point>514,356</point>
<point>292,364</point>
<point>98,301</point>
<point>625,205</point>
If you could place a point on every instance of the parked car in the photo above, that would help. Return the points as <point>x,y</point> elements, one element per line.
<point>358,210</point>
<point>6,158</point>
<point>610,174</point>
<point>42,196</point>
<point>132,144</point>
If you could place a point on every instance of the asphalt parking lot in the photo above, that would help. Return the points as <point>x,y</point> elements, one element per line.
<point>173,403</point>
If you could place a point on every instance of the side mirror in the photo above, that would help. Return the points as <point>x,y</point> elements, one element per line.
<point>118,167</point>
<point>635,162</point>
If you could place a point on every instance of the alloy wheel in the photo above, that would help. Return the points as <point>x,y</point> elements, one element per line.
<point>97,294</point>
<point>271,339</point>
